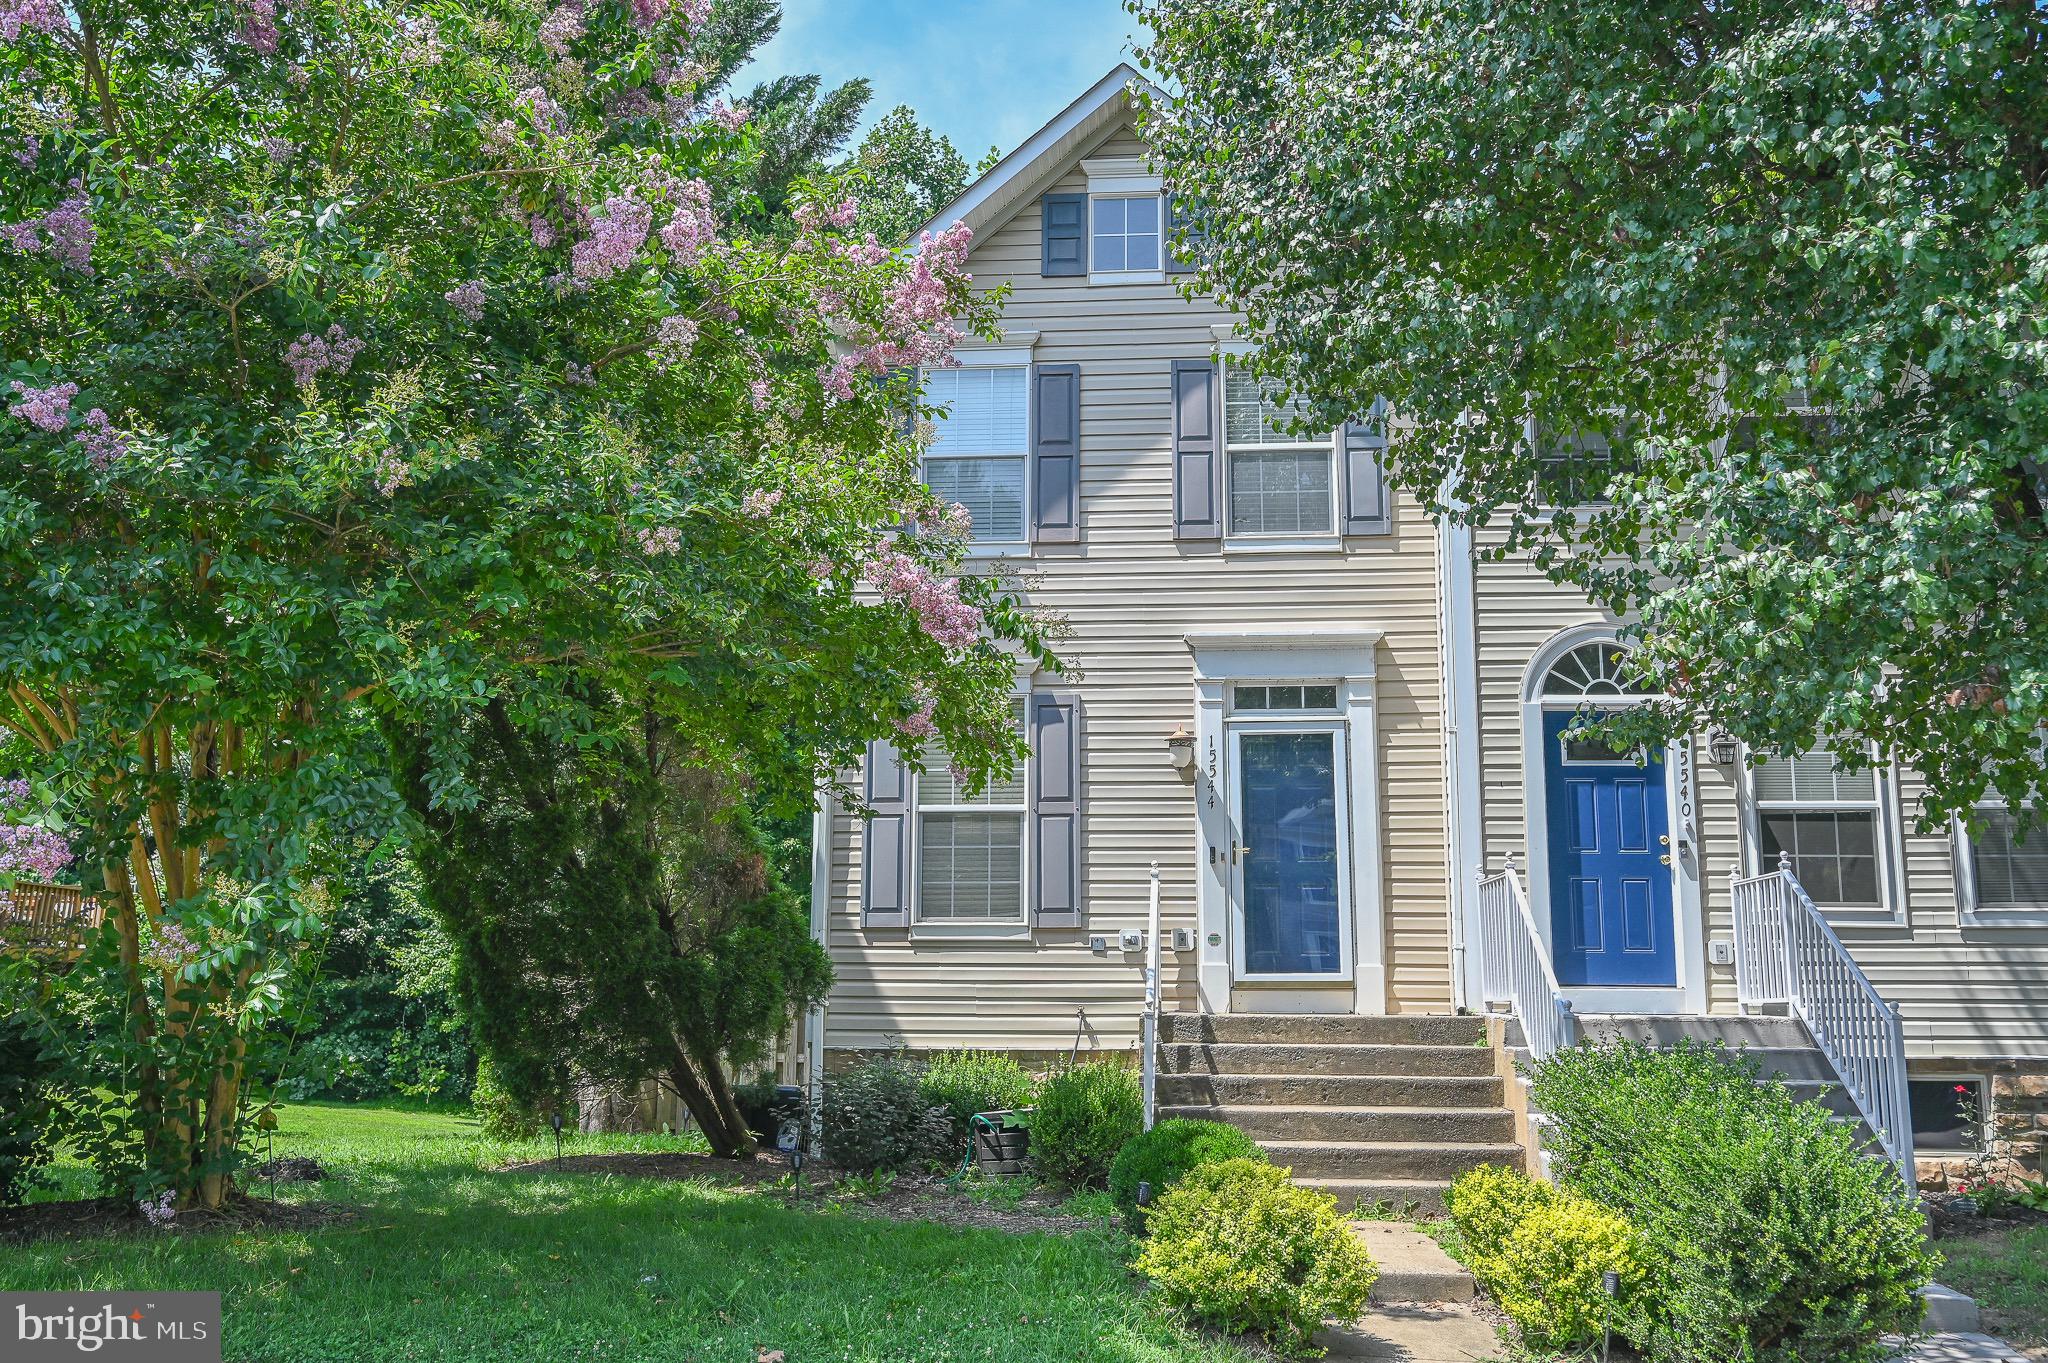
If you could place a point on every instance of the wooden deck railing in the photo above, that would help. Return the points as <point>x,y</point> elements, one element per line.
<point>47,919</point>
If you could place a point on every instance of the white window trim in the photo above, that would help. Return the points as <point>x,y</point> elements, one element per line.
<point>1234,540</point>
<point>1014,353</point>
<point>980,928</point>
<point>1891,911</point>
<point>1124,177</point>
<point>1989,1111</point>
<point>1967,909</point>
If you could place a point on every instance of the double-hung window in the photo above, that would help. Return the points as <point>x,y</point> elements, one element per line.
<point>977,456</point>
<point>970,849</point>
<point>1279,483</point>
<point>2006,861</point>
<point>1833,823</point>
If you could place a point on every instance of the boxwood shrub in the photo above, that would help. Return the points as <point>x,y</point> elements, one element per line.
<point>1083,1116</point>
<point>967,1082</point>
<point>1164,1154</point>
<point>1542,1252</point>
<point>1772,1234</point>
<point>1238,1245</point>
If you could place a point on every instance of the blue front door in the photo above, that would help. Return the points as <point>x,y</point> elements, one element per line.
<point>1610,862</point>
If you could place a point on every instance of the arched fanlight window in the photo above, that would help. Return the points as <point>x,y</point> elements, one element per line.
<point>1591,670</point>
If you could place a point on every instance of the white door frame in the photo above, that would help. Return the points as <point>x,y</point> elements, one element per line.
<point>1689,994</point>
<point>1306,652</point>
<point>1275,724</point>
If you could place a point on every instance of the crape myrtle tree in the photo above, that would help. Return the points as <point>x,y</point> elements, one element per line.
<point>372,364</point>
<point>1759,289</point>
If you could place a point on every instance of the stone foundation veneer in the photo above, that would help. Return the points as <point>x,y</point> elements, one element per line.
<point>2018,1126</point>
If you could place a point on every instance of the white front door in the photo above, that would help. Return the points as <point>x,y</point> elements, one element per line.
<point>1290,882</point>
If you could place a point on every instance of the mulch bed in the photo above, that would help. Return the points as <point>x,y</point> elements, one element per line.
<point>102,1216</point>
<point>1948,1225</point>
<point>910,1197</point>
<point>764,1167</point>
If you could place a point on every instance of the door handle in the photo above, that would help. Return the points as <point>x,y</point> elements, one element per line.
<point>1237,851</point>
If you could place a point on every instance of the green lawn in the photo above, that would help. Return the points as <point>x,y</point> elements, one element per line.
<point>449,1261</point>
<point>2007,1272</point>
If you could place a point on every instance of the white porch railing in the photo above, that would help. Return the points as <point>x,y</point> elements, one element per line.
<point>1785,953</point>
<point>1517,968</point>
<point>1148,1021</point>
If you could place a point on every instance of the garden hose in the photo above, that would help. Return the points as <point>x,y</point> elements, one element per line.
<point>979,1119</point>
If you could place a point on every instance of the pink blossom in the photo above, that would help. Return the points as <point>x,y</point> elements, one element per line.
<point>731,117</point>
<point>37,853</point>
<point>757,394</point>
<point>311,356</point>
<point>65,232</point>
<point>43,16</point>
<point>761,503</point>
<point>688,73</point>
<point>541,108</point>
<point>278,149</point>
<point>47,409</point>
<point>103,444</point>
<point>694,226</point>
<point>563,26</point>
<point>258,32</point>
<point>581,375</point>
<point>616,236</point>
<point>648,13</point>
<point>421,40</point>
<point>391,472</point>
<point>949,621</point>
<point>867,252</point>
<point>31,147</point>
<point>467,299</point>
<point>951,519</point>
<point>159,1211</point>
<point>673,340</point>
<point>822,567</point>
<point>661,539</point>
<point>919,725</point>
<point>543,229</point>
<point>627,105</point>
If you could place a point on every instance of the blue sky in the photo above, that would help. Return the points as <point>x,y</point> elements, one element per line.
<point>979,71</point>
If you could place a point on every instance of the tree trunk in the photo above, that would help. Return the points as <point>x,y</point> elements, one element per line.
<point>720,1121</point>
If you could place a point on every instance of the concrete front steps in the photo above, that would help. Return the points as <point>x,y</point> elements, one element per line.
<point>1377,1111</point>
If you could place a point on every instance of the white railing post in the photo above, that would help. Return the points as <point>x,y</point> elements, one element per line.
<point>1787,953</point>
<point>1516,967</point>
<point>1148,1023</point>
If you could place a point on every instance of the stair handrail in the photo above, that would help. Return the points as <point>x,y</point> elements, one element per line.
<point>1148,1021</point>
<point>1787,953</point>
<point>1517,966</point>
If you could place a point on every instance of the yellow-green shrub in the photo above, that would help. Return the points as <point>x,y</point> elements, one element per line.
<point>1487,1204</point>
<point>1237,1244</point>
<point>1547,1273</point>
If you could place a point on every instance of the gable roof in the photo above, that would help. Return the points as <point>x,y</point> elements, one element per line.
<point>1043,157</point>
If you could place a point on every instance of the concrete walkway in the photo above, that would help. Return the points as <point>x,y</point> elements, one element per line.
<point>1958,1347</point>
<point>1417,1332</point>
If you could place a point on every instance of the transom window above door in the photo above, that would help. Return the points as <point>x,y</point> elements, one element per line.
<point>1830,820</point>
<point>1279,481</point>
<point>977,456</point>
<point>1284,698</point>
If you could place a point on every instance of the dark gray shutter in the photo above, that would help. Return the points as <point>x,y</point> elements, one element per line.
<point>1065,235</point>
<point>1366,508</point>
<point>885,856</point>
<point>1176,219</point>
<point>1056,809</point>
<point>1056,453</point>
<point>1197,453</point>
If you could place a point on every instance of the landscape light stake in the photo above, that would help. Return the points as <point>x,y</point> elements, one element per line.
<point>555,1120</point>
<point>1610,1283</point>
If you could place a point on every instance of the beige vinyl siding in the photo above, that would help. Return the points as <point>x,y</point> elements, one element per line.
<point>1129,594</point>
<point>1961,992</point>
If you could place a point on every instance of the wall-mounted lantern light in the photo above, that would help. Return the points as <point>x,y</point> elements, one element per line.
<point>1721,748</point>
<point>1180,747</point>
